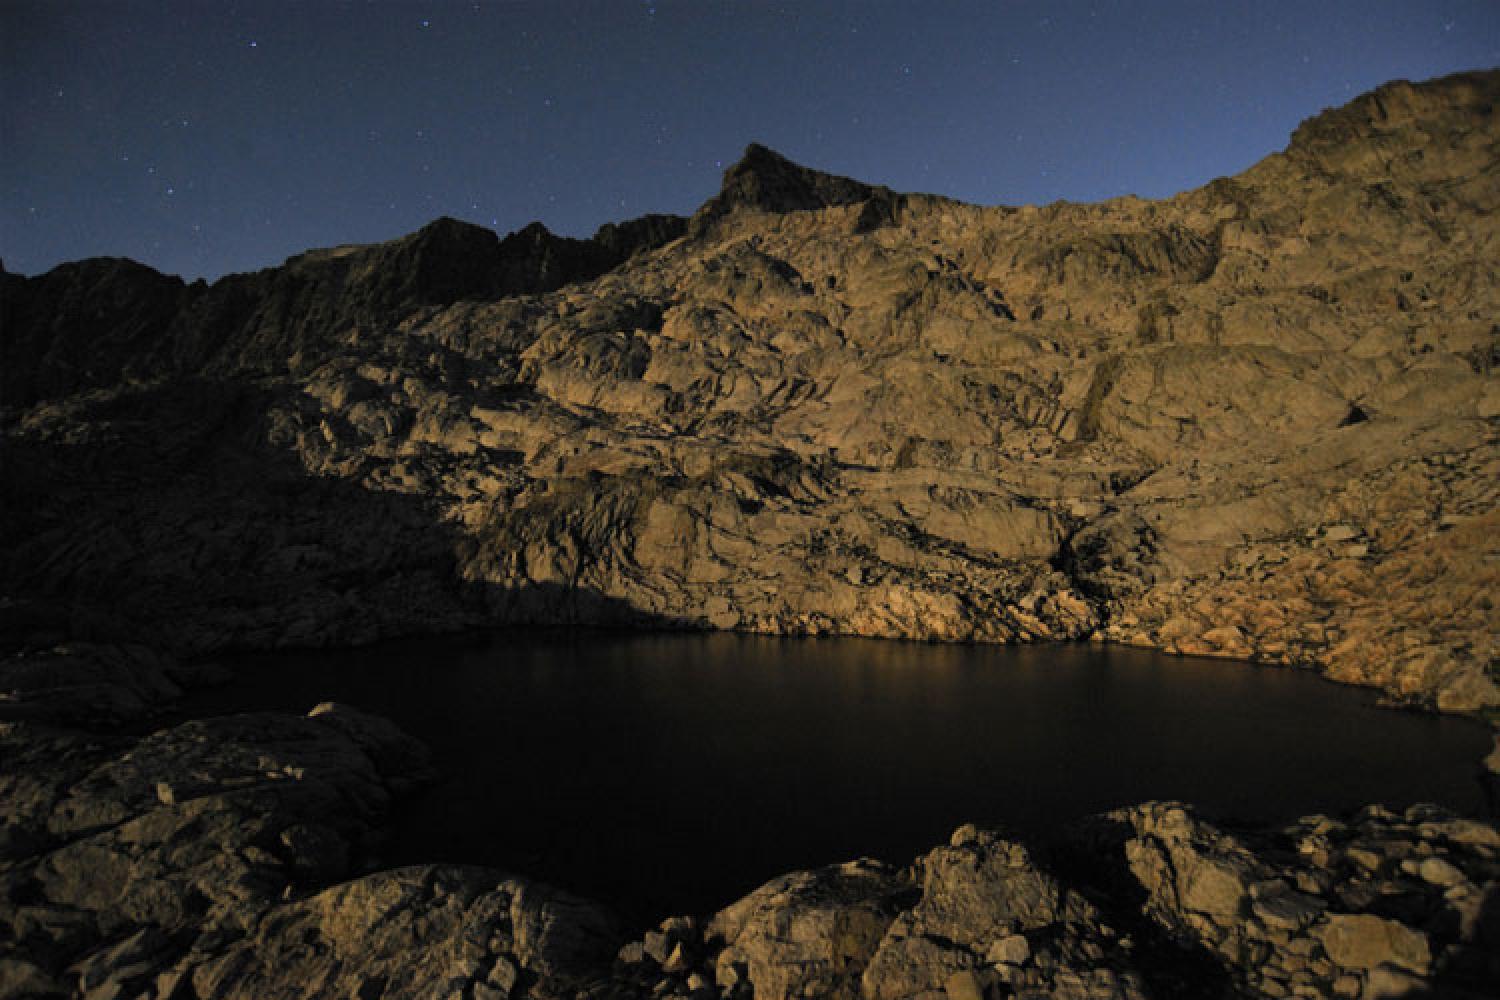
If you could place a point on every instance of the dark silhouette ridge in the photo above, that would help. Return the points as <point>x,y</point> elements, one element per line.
<point>79,325</point>
<point>98,322</point>
<point>92,323</point>
<point>764,180</point>
<point>534,259</point>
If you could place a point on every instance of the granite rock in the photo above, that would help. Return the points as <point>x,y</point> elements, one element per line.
<point>1254,420</point>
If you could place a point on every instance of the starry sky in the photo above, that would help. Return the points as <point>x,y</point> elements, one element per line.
<point>210,136</point>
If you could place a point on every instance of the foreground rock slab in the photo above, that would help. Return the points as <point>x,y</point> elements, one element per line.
<point>426,932</point>
<point>192,862</point>
<point>1150,901</point>
<point>1383,904</point>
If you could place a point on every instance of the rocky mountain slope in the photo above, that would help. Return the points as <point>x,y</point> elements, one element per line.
<point>1256,420</point>
<point>1260,420</point>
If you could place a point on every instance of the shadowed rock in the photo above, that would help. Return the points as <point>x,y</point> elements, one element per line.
<point>765,181</point>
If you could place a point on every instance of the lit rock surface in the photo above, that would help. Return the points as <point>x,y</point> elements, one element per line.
<point>1157,902</point>
<point>1322,907</point>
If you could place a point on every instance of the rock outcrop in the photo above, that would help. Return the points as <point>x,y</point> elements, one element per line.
<point>1157,903</point>
<point>231,857</point>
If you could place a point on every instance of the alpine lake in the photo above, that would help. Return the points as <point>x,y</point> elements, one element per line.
<point>673,772</point>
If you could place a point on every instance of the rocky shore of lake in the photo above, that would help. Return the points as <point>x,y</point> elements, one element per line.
<point>238,857</point>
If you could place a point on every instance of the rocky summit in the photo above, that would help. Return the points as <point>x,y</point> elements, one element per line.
<point>1257,420</point>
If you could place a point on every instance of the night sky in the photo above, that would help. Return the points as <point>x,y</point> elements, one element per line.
<point>205,137</point>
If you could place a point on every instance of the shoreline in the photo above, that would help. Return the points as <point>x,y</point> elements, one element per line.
<point>738,945</point>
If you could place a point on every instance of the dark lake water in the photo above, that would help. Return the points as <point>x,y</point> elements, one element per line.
<point>669,773</point>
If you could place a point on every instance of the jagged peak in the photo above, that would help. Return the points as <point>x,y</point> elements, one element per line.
<point>758,157</point>
<point>448,232</point>
<point>534,230</point>
<point>764,180</point>
<point>449,224</point>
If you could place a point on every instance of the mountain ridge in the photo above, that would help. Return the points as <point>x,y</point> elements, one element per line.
<point>743,180</point>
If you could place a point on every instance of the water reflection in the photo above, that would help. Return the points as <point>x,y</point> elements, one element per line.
<point>669,773</point>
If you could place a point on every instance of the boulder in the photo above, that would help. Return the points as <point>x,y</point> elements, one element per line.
<point>1364,941</point>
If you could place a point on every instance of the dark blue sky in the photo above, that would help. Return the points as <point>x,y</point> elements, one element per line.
<point>207,136</point>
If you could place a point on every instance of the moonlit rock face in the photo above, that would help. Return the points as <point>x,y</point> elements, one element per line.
<point>822,407</point>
